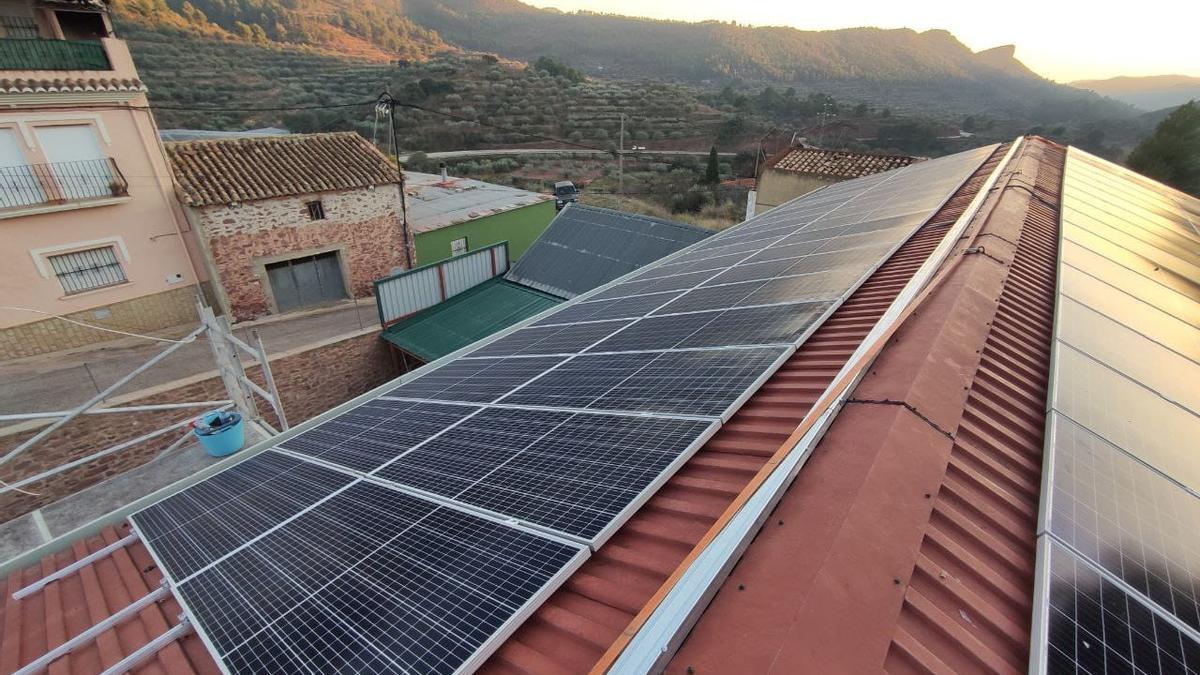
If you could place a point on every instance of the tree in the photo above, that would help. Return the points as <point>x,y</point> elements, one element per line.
<point>712,173</point>
<point>1172,153</point>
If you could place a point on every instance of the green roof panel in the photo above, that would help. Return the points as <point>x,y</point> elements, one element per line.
<point>467,317</point>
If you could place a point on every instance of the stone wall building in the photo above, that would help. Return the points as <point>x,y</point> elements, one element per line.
<point>289,222</point>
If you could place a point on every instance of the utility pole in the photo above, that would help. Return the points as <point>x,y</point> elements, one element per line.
<point>825,115</point>
<point>621,159</point>
<point>387,100</point>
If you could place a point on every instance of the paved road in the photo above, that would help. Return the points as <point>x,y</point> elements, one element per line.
<point>454,154</point>
<point>62,380</point>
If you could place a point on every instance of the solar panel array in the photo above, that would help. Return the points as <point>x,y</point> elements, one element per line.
<point>415,530</point>
<point>1122,577</point>
<point>585,247</point>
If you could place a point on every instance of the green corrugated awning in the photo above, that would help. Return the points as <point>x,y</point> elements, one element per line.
<point>471,315</point>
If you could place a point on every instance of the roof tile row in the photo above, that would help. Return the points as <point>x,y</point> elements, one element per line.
<point>70,85</point>
<point>232,170</point>
<point>838,164</point>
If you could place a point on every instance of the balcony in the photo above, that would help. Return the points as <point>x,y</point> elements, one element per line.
<point>42,54</point>
<point>36,186</point>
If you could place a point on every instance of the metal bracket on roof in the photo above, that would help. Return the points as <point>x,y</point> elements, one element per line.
<point>87,636</point>
<point>75,566</point>
<point>151,648</point>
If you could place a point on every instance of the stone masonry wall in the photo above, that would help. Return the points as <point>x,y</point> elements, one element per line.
<point>363,223</point>
<point>311,380</point>
<point>139,315</point>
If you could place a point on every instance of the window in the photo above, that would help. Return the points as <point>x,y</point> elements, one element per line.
<point>81,25</point>
<point>316,210</point>
<point>78,162</point>
<point>85,270</point>
<point>458,246</point>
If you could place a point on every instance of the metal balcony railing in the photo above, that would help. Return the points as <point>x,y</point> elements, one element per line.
<point>60,183</point>
<point>41,54</point>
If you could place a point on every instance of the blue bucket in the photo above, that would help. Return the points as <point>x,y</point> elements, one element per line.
<point>222,440</point>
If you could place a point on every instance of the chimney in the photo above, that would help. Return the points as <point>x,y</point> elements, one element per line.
<point>445,175</point>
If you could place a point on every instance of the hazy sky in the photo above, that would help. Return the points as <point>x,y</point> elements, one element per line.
<point>1061,40</point>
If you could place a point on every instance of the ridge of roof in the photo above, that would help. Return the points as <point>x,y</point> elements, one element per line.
<point>583,619</point>
<point>907,542</point>
<point>232,170</point>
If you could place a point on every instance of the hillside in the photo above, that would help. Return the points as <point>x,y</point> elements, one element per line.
<point>1148,93</point>
<point>644,47</point>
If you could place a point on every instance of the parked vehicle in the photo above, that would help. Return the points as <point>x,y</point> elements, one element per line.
<point>565,193</point>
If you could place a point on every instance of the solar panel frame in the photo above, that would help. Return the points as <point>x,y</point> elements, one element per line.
<point>1115,619</point>
<point>1116,486</point>
<point>1123,516</point>
<point>630,368</point>
<point>478,656</point>
<point>702,430</point>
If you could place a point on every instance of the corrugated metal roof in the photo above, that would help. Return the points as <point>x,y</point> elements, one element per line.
<point>467,317</point>
<point>906,544</point>
<point>947,531</point>
<point>586,246</point>
<point>575,627</point>
<point>434,203</point>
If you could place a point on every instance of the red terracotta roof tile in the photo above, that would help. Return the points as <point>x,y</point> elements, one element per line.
<point>39,622</point>
<point>244,169</point>
<point>839,164</point>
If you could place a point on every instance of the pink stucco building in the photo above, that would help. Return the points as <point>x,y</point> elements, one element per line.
<point>88,219</point>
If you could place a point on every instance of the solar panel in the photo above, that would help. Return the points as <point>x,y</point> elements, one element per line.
<point>568,339</point>
<point>777,324</point>
<point>475,380</point>
<point>600,310</point>
<point>373,580</point>
<point>1095,626</point>
<point>1124,490</point>
<point>1129,519</point>
<point>375,433</point>
<point>412,532</point>
<point>195,527</point>
<point>575,473</point>
<point>705,383</point>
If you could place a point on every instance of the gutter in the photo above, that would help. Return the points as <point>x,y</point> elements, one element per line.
<point>659,630</point>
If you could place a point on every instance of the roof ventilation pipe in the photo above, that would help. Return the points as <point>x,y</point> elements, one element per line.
<point>445,173</point>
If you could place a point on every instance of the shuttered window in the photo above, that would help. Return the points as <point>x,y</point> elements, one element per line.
<point>85,270</point>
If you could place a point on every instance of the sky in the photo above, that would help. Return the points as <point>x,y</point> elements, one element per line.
<point>1062,40</point>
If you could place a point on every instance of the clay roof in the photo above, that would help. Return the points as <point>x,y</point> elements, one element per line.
<point>70,85</point>
<point>906,541</point>
<point>244,169</point>
<point>837,163</point>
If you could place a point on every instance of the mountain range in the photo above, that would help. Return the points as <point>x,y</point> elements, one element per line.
<point>1148,93</point>
<point>929,72</point>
